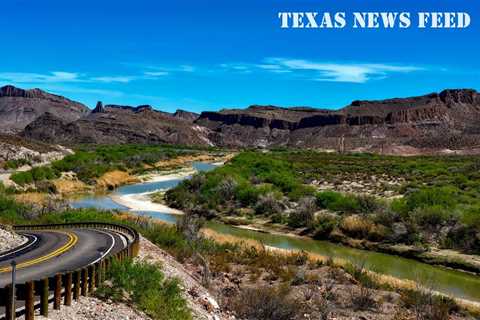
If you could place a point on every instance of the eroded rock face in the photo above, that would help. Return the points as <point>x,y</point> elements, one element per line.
<point>453,116</point>
<point>117,124</point>
<point>20,107</point>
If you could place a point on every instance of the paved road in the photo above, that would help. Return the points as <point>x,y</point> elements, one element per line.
<point>58,251</point>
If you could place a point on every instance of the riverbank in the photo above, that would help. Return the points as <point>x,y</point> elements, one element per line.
<point>142,202</point>
<point>433,256</point>
<point>381,279</point>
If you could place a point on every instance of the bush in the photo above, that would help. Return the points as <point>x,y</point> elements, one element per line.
<point>368,204</point>
<point>22,178</point>
<point>269,204</point>
<point>323,226</point>
<point>429,197</point>
<point>430,216</point>
<point>147,288</point>
<point>303,214</point>
<point>361,228</point>
<point>34,175</point>
<point>335,201</point>
<point>265,303</point>
<point>326,199</point>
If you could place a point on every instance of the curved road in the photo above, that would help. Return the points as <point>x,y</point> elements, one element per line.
<point>56,251</point>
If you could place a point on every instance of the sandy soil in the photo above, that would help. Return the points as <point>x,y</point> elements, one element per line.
<point>142,202</point>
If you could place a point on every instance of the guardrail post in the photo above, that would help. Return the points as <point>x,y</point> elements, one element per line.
<point>9,313</point>
<point>29,300</point>
<point>76,286</point>
<point>93,277</point>
<point>98,268</point>
<point>68,289</point>
<point>84,282</point>
<point>57,292</point>
<point>44,297</point>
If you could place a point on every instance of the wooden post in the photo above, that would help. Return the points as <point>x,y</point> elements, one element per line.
<point>91,278</point>
<point>29,300</point>
<point>44,297</point>
<point>98,279</point>
<point>57,292</point>
<point>76,286</point>
<point>84,282</point>
<point>68,289</point>
<point>8,307</point>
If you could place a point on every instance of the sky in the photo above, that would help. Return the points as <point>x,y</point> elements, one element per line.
<point>210,54</point>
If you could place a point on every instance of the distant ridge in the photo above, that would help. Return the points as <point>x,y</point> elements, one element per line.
<point>449,119</point>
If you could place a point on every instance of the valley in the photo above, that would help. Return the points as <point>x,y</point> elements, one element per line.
<point>296,206</point>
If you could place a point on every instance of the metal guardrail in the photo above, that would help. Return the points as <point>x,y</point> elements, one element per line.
<point>71,284</point>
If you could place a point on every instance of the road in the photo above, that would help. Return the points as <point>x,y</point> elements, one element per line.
<point>57,251</point>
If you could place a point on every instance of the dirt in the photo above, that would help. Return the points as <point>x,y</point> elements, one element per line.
<point>114,179</point>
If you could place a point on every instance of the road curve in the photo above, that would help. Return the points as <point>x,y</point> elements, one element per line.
<point>58,251</point>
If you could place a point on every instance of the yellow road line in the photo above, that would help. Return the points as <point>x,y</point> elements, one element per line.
<point>72,240</point>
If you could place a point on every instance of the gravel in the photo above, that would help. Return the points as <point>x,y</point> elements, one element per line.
<point>9,239</point>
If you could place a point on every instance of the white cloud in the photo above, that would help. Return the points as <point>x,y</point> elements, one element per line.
<point>26,77</point>
<point>336,72</point>
<point>109,79</point>
<point>156,73</point>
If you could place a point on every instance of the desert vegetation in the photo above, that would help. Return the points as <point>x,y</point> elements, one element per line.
<point>91,162</point>
<point>433,201</point>
<point>250,281</point>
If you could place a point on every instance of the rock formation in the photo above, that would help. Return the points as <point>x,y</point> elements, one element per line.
<point>20,107</point>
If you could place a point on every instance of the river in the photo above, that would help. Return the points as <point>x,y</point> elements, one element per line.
<point>451,282</point>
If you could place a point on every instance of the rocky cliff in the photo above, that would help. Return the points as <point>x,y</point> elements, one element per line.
<point>117,124</point>
<point>19,107</point>
<point>452,115</point>
<point>449,119</point>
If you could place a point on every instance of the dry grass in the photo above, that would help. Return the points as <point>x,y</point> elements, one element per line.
<point>114,179</point>
<point>64,186</point>
<point>31,198</point>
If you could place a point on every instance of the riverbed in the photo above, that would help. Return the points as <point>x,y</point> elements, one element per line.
<point>447,281</point>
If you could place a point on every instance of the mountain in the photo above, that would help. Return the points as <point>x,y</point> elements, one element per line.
<point>450,119</point>
<point>446,120</point>
<point>19,107</point>
<point>118,124</point>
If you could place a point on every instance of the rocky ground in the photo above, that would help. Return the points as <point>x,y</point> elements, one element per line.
<point>9,239</point>
<point>90,308</point>
<point>376,185</point>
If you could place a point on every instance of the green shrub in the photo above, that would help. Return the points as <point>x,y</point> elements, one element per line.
<point>149,290</point>
<point>269,203</point>
<point>323,226</point>
<point>326,199</point>
<point>34,175</point>
<point>22,178</point>
<point>427,197</point>
<point>430,216</point>
<point>368,204</point>
<point>303,215</point>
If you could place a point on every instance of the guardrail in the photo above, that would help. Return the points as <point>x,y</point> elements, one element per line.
<point>71,284</point>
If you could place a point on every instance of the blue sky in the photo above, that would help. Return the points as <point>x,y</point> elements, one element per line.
<point>206,55</point>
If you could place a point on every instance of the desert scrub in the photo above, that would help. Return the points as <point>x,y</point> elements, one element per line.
<point>145,285</point>
<point>265,303</point>
<point>34,175</point>
<point>91,162</point>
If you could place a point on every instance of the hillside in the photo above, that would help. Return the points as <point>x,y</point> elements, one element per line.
<point>19,107</point>
<point>450,119</point>
<point>112,124</point>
